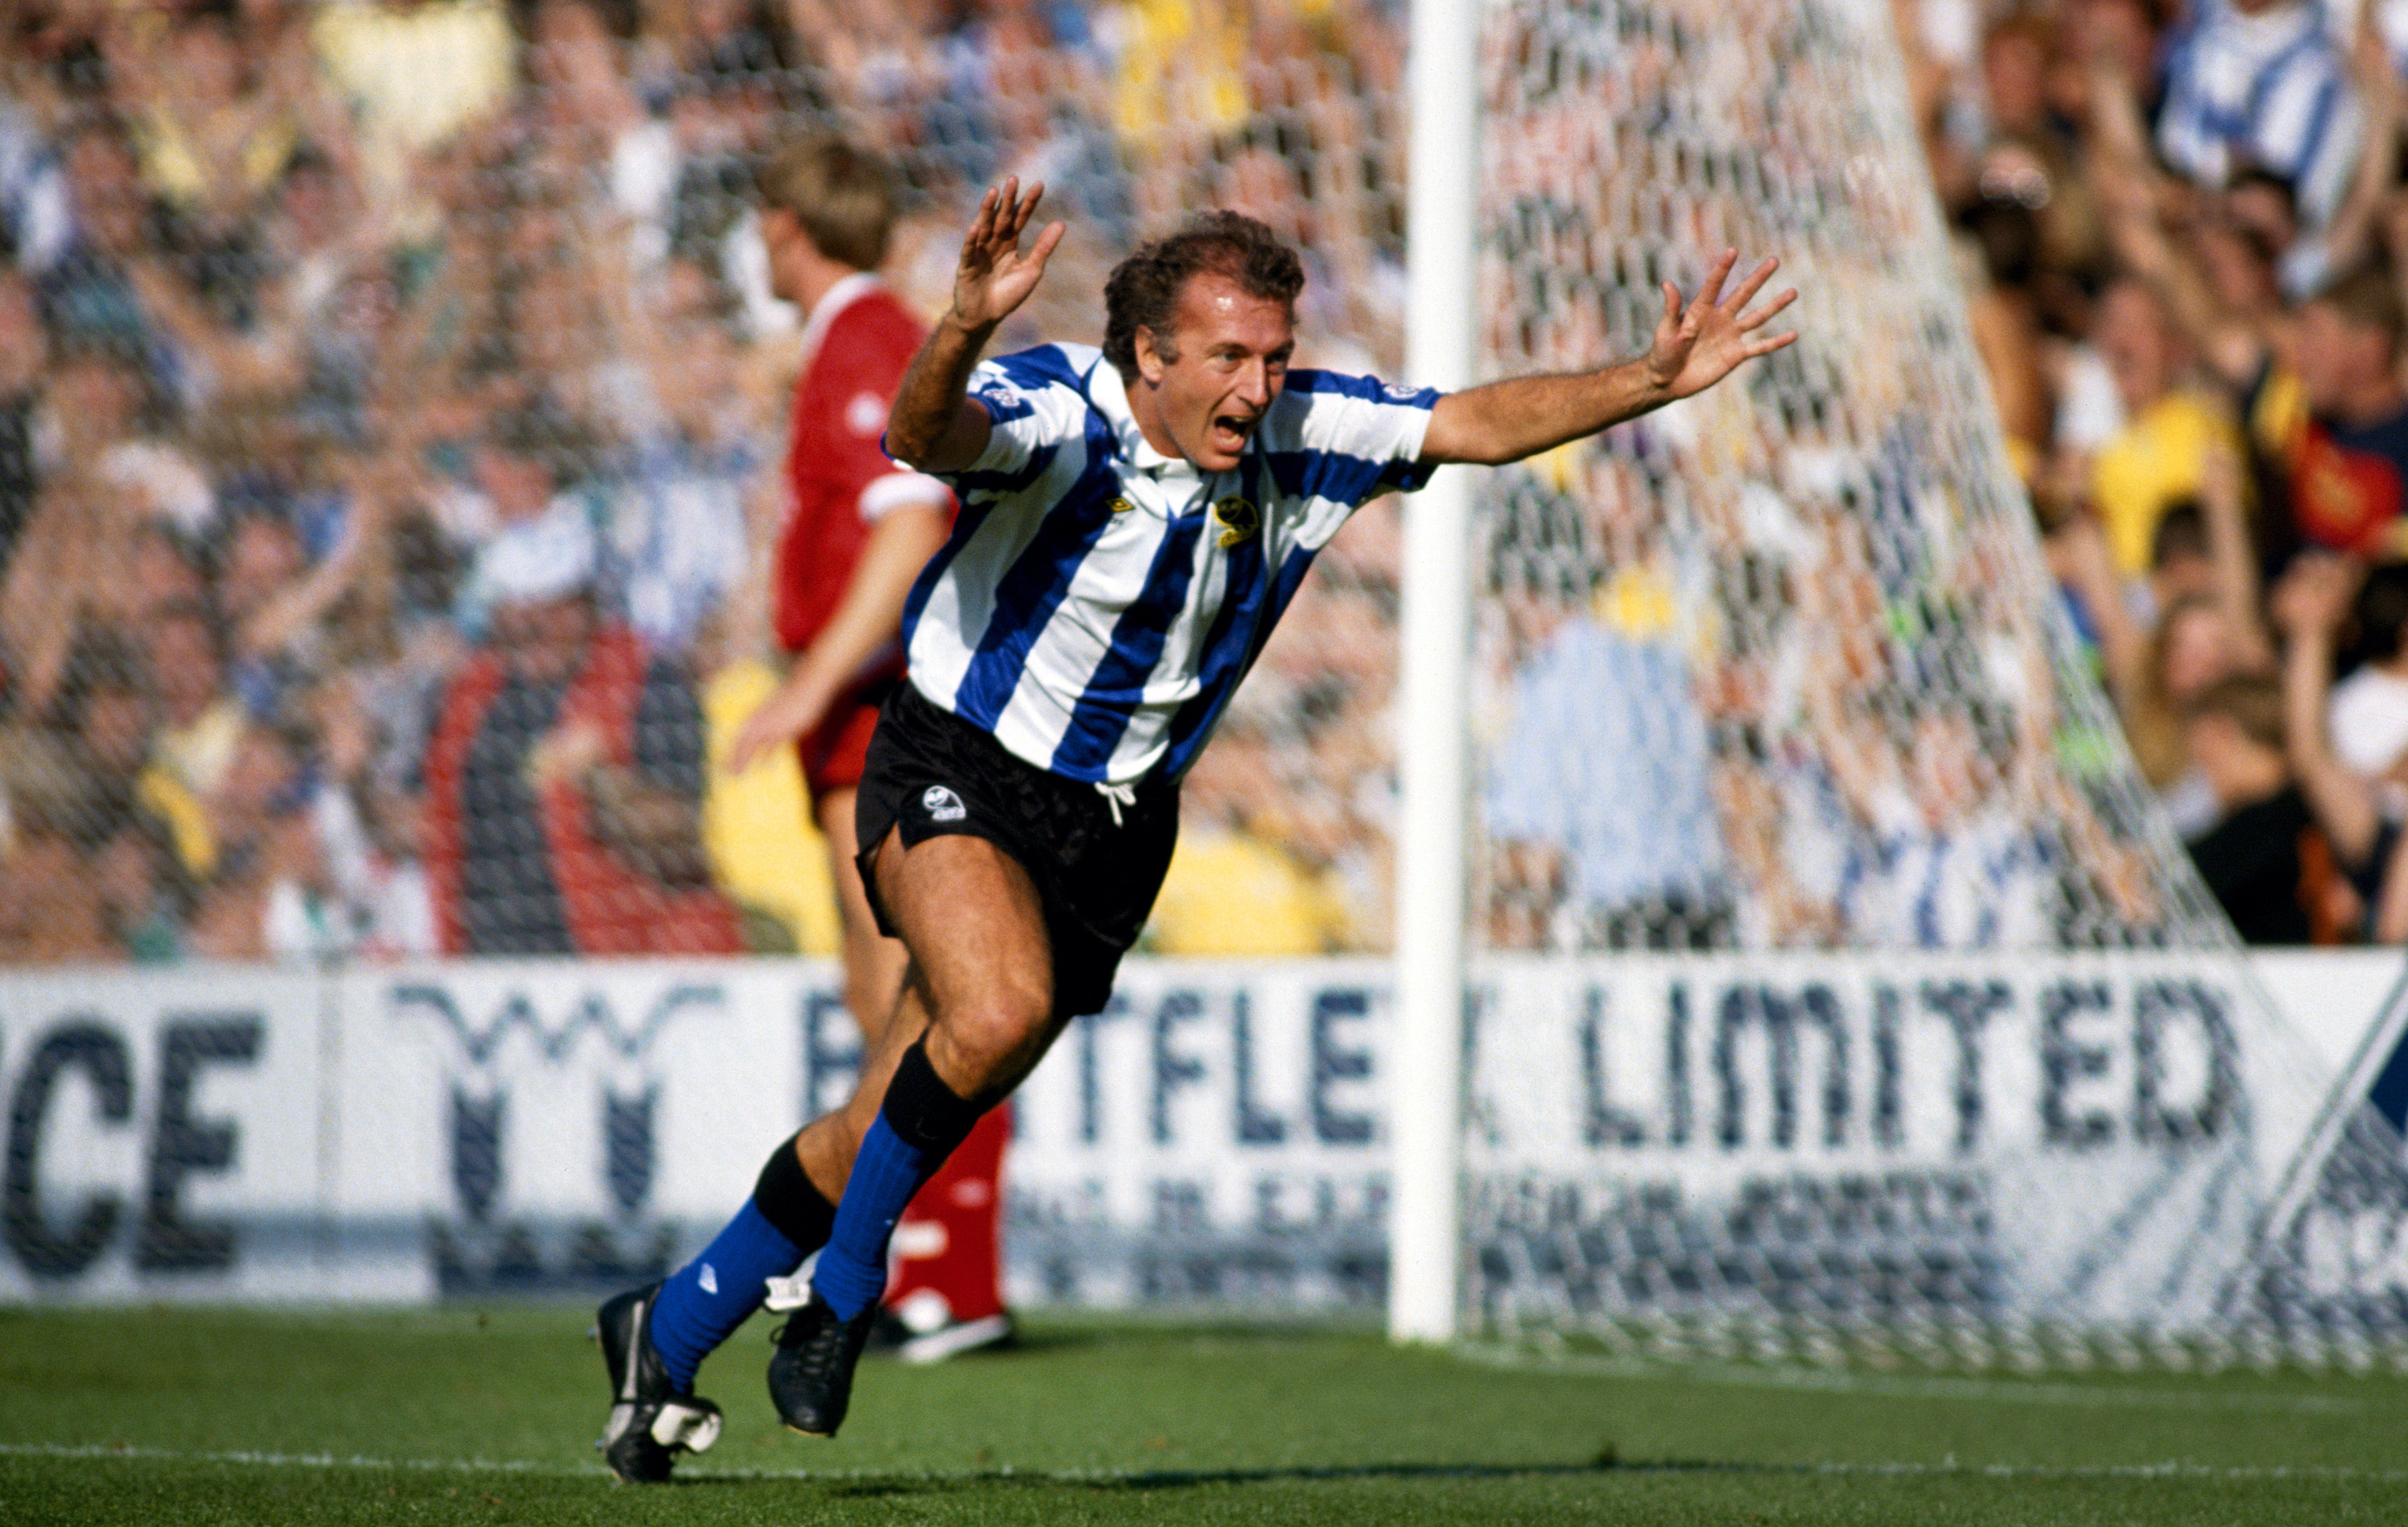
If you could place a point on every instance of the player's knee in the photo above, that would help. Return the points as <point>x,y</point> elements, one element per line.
<point>989,1045</point>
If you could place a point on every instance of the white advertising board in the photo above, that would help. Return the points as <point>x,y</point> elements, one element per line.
<point>2100,1134</point>
<point>166,1138</point>
<point>2095,1138</point>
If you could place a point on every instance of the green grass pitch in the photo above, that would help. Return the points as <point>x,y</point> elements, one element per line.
<point>199,1416</point>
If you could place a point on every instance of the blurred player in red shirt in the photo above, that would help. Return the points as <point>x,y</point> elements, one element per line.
<point>859,529</point>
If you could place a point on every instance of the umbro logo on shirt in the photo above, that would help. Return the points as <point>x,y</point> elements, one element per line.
<point>942,805</point>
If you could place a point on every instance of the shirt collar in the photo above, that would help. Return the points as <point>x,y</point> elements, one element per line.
<point>835,300</point>
<point>1109,395</point>
<point>2269,32</point>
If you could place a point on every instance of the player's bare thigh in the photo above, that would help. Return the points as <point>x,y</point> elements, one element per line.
<point>980,961</point>
<point>873,963</point>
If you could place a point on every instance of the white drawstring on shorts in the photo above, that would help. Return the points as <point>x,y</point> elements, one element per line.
<point>1119,795</point>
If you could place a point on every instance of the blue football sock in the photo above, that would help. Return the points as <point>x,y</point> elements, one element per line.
<point>704,1301</point>
<point>886,1171</point>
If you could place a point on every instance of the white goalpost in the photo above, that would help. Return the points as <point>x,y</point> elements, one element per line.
<point>1432,741</point>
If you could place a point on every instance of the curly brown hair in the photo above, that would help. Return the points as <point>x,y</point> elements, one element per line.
<point>1143,292</point>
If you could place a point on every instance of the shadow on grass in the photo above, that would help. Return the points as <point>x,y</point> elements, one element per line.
<point>880,1487</point>
<point>866,1486</point>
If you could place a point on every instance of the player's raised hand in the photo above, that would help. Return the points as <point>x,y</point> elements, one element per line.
<point>1698,345</point>
<point>994,275</point>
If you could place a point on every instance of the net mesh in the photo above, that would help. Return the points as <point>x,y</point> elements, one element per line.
<point>1780,668</point>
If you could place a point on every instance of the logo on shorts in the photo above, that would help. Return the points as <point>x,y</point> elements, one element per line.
<point>942,805</point>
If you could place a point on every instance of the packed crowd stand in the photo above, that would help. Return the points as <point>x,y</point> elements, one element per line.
<point>393,406</point>
<point>392,398</point>
<point>2190,242</point>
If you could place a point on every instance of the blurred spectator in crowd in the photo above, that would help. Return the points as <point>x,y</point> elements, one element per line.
<point>1947,854</point>
<point>34,220</point>
<point>2159,456</point>
<point>414,73</point>
<point>200,727</point>
<point>2193,623</point>
<point>143,894</point>
<point>212,141</point>
<point>2251,858</point>
<point>563,778</point>
<point>2007,333</point>
<point>24,355</point>
<point>520,468</point>
<point>2347,744</point>
<point>2262,84</point>
<point>1600,788</point>
<point>89,295</point>
<point>2347,455</point>
<point>105,717</point>
<point>259,899</point>
<point>2367,715</point>
<point>588,117</point>
<point>677,518</point>
<point>51,911</point>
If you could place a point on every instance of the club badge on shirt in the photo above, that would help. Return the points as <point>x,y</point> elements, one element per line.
<point>1240,519</point>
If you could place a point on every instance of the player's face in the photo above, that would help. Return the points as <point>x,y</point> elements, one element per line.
<point>1224,366</point>
<point>782,238</point>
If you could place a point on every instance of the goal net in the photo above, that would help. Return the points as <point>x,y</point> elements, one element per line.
<point>1838,993</point>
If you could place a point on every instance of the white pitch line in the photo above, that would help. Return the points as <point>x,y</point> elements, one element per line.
<point>111,1452</point>
<point>2273,1473</point>
<point>1884,1386</point>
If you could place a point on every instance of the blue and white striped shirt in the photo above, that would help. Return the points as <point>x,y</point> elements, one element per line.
<point>2271,89</point>
<point>1098,602</point>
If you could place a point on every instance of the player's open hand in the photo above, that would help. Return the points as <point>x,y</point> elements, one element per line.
<point>1698,345</point>
<point>994,275</point>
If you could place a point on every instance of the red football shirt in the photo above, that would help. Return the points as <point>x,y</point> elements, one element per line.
<point>858,342</point>
<point>2346,489</point>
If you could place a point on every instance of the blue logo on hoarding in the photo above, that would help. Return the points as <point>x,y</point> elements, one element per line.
<point>482,1245</point>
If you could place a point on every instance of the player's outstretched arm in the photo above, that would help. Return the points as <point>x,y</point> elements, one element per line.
<point>936,427</point>
<point>1697,345</point>
<point>868,618</point>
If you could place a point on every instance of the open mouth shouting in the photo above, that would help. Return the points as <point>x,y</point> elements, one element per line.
<point>1229,432</point>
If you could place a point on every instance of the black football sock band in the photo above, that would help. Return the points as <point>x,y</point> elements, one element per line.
<point>791,1202</point>
<point>924,1112</point>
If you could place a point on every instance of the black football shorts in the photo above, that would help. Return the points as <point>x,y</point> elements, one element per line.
<point>1097,872</point>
